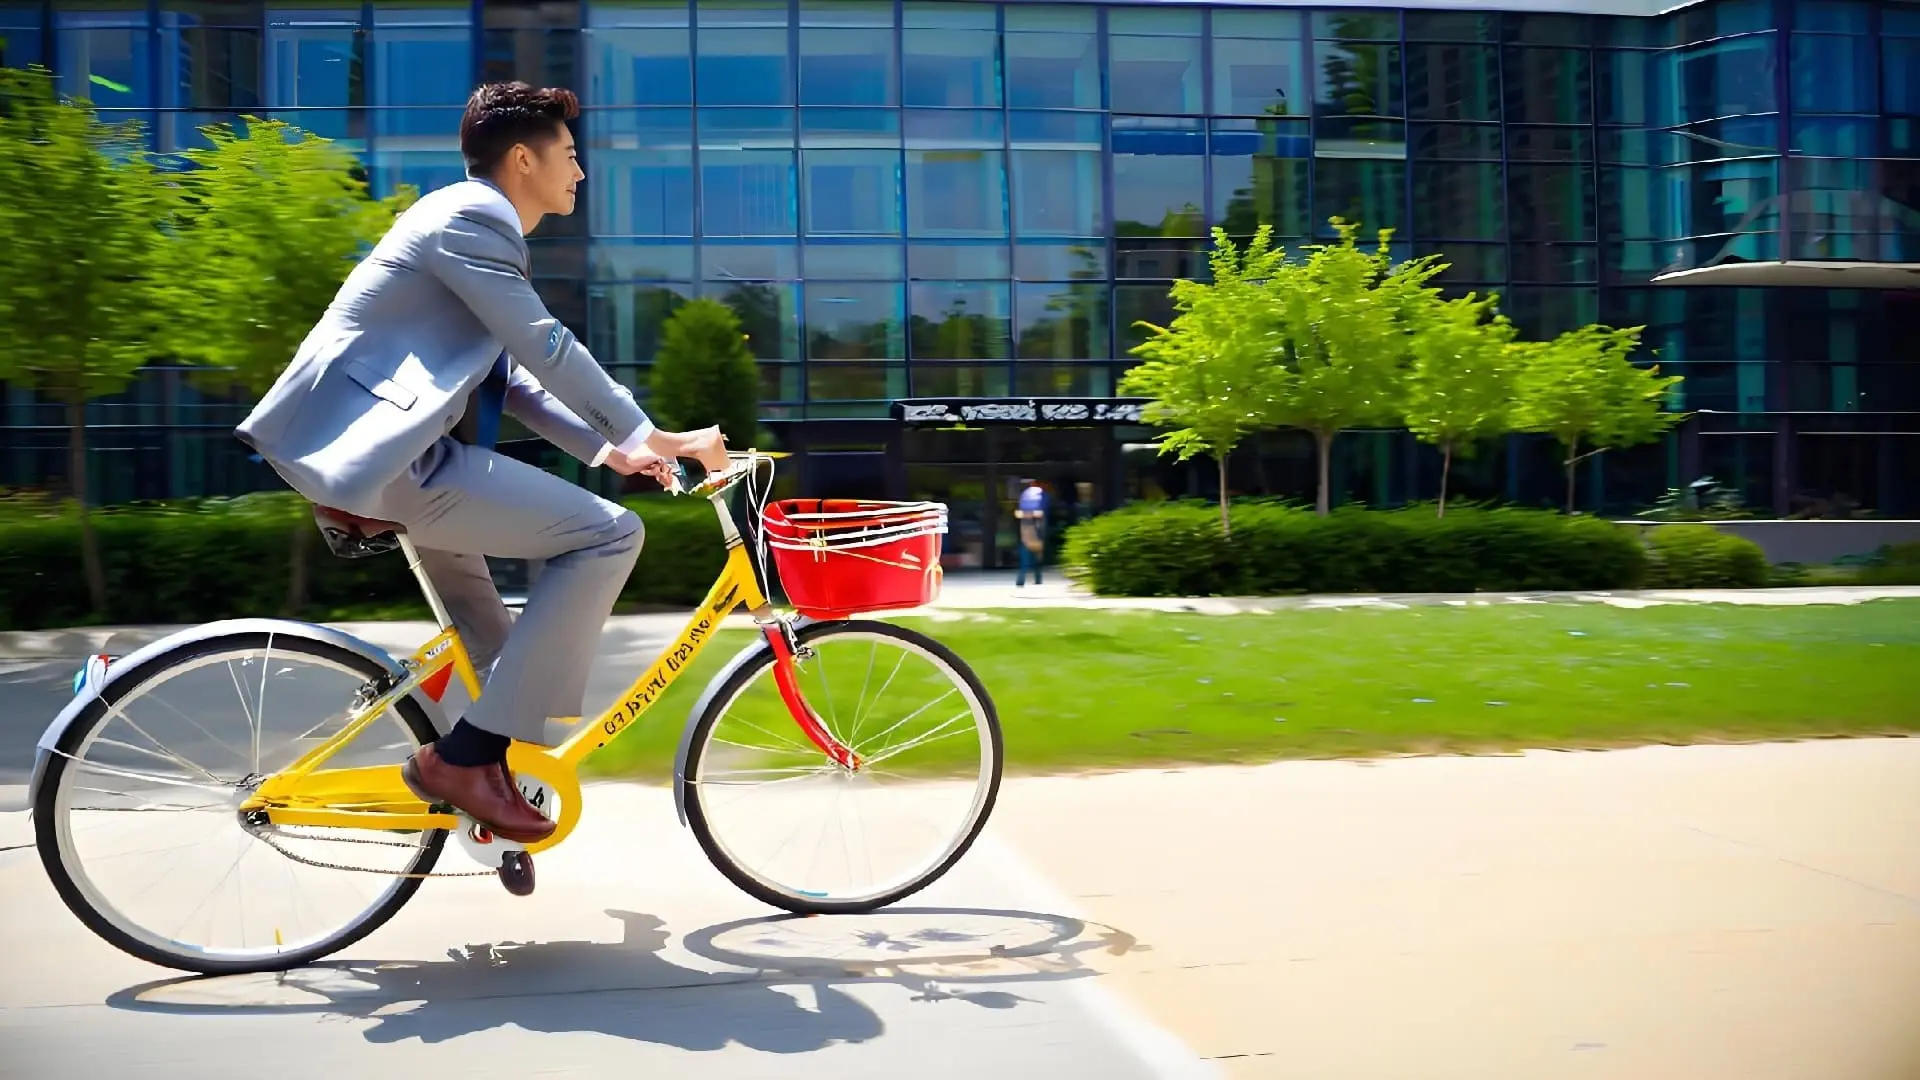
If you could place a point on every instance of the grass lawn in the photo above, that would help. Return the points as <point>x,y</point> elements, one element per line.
<point>1094,689</point>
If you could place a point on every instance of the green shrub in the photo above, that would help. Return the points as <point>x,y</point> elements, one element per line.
<point>1177,548</point>
<point>1703,557</point>
<point>202,559</point>
<point>1894,564</point>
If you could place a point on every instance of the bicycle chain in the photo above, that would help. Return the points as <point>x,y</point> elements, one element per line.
<point>268,839</point>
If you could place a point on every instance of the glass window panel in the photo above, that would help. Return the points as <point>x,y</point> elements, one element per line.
<point>781,383</point>
<point>956,192</point>
<point>855,260</point>
<point>520,43</point>
<point>1702,21</point>
<point>1352,25</point>
<point>1260,176</point>
<point>853,191</point>
<point>747,192</point>
<point>1060,260</point>
<point>1628,86</point>
<point>769,315</point>
<point>1062,322</point>
<point>1057,193</point>
<point>846,13</point>
<point>1269,24</point>
<point>1357,80</point>
<point>638,12</point>
<point>1543,313</point>
<point>1056,131</point>
<point>1900,19</point>
<point>20,34</point>
<point>739,66</point>
<point>348,127</point>
<point>946,129</point>
<point>1458,200</point>
<point>1159,178</point>
<point>616,260</point>
<point>1835,136</point>
<point>1550,29</point>
<point>951,66</point>
<point>923,15</point>
<point>1550,202</point>
<point>746,129</point>
<point>640,172</point>
<point>1550,143</point>
<point>1372,194</point>
<point>732,260</point>
<point>1158,73</point>
<point>762,13</point>
<point>624,322</point>
<point>1063,380</point>
<point>111,67</point>
<point>1833,16</point>
<point>941,379</point>
<point>1453,82</point>
<point>957,259</point>
<point>1453,26</point>
<point>1051,70</point>
<point>638,67</point>
<point>313,65</point>
<point>1549,86</point>
<point>855,321</point>
<point>1833,74</point>
<point>850,128</point>
<point>209,67</point>
<point>1468,263</point>
<point>1554,263</point>
<point>1456,141</point>
<point>847,67</point>
<point>1255,76</point>
<point>1900,76</point>
<point>881,383</point>
<point>1161,257</point>
<point>959,320</point>
<point>420,147</point>
<point>420,65</point>
<point>1723,79</point>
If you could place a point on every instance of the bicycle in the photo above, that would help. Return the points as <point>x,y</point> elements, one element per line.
<point>833,558</point>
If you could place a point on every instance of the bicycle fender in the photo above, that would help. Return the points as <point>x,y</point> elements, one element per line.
<point>327,635</point>
<point>745,656</point>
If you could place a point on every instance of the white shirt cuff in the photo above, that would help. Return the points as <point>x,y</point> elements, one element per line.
<point>632,445</point>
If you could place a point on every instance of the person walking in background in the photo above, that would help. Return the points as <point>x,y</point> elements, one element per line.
<point>1032,513</point>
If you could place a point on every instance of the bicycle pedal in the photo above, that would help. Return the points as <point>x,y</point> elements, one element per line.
<point>516,872</point>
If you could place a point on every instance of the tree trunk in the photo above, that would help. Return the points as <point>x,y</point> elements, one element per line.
<point>1446,468</point>
<point>96,573</point>
<point>1226,525</point>
<point>1323,503</point>
<point>1573,461</point>
<point>297,567</point>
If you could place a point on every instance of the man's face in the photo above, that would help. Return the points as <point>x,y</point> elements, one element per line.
<point>552,172</point>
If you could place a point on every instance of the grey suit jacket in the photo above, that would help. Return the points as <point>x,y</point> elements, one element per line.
<point>389,369</point>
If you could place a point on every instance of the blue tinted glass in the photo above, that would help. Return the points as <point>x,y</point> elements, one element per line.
<point>1159,180</point>
<point>769,13</point>
<point>1548,86</point>
<point>854,260</point>
<point>744,67</point>
<point>1901,19</point>
<point>1060,260</point>
<point>1258,77</point>
<point>638,12</point>
<point>960,320</point>
<point>425,66</point>
<point>639,260</point>
<point>1061,322</point>
<point>1052,70</point>
<point>850,127</point>
<point>1357,80</point>
<point>1056,130</point>
<point>956,193</point>
<point>940,260</point>
<point>746,129</point>
<point>1057,193</point>
<point>847,321</point>
<point>1837,16</point>
<point>754,260</point>
<point>348,127</point>
<point>637,67</point>
<point>624,322</point>
<point>1459,82</point>
<point>944,128</point>
<point>852,191</point>
<point>747,193</point>
<point>1550,202</point>
<point>112,67</point>
<point>951,67</point>
<point>1833,73</point>
<point>1370,193</point>
<point>769,315</point>
<point>1832,136</point>
<point>1260,176</point>
<point>1156,74</point>
<point>20,35</point>
<point>1722,79</point>
<point>1719,18</point>
<point>639,172</point>
<point>847,67</point>
<point>308,68</point>
<point>1900,75</point>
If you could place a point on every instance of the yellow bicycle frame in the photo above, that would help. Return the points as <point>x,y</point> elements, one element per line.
<point>376,798</point>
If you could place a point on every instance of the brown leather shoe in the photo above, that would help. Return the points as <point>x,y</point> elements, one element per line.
<point>480,791</point>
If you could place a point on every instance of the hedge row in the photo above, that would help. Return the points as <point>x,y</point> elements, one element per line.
<point>1179,549</point>
<point>224,558</point>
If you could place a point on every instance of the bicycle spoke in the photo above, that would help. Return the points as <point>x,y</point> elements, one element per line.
<point>922,740</point>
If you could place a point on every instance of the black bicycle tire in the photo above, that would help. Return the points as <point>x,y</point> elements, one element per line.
<point>47,839</point>
<point>703,727</point>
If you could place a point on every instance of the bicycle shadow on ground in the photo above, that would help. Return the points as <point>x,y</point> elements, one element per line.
<point>788,993</point>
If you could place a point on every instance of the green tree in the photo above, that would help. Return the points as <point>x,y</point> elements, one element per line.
<point>1210,376</point>
<point>1343,341</point>
<point>274,218</point>
<point>85,288</point>
<point>705,375</point>
<point>1584,389</point>
<point>1460,384</point>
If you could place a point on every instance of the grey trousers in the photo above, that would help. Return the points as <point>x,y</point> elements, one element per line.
<point>460,503</point>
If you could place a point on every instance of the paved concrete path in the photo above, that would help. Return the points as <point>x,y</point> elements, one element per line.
<point>1748,911</point>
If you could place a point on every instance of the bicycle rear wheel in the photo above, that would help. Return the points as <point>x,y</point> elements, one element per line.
<point>138,821</point>
<point>793,829</point>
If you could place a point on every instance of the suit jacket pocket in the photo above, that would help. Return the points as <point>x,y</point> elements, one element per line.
<point>379,385</point>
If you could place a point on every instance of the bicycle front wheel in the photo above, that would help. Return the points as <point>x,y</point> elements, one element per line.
<point>797,831</point>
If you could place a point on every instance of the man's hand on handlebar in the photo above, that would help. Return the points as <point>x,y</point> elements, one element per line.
<point>706,446</point>
<point>643,464</point>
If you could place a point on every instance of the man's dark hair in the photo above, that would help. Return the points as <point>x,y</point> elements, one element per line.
<point>504,113</point>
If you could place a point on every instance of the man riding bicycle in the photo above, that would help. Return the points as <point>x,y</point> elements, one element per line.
<point>390,408</point>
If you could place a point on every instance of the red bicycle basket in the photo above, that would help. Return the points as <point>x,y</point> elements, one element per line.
<point>837,557</point>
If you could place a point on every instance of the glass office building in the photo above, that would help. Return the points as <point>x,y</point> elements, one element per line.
<point>925,211</point>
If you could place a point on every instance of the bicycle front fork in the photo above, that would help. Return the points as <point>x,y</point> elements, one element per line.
<point>780,637</point>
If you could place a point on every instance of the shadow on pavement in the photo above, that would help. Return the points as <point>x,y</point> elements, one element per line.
<point>628,990</point>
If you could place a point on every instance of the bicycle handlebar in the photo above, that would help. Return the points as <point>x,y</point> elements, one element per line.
<point>741,463</point>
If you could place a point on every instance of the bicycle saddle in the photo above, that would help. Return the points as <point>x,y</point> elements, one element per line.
<point>352,536</point>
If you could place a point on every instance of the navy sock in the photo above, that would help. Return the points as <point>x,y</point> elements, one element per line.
<point>466,746</point>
